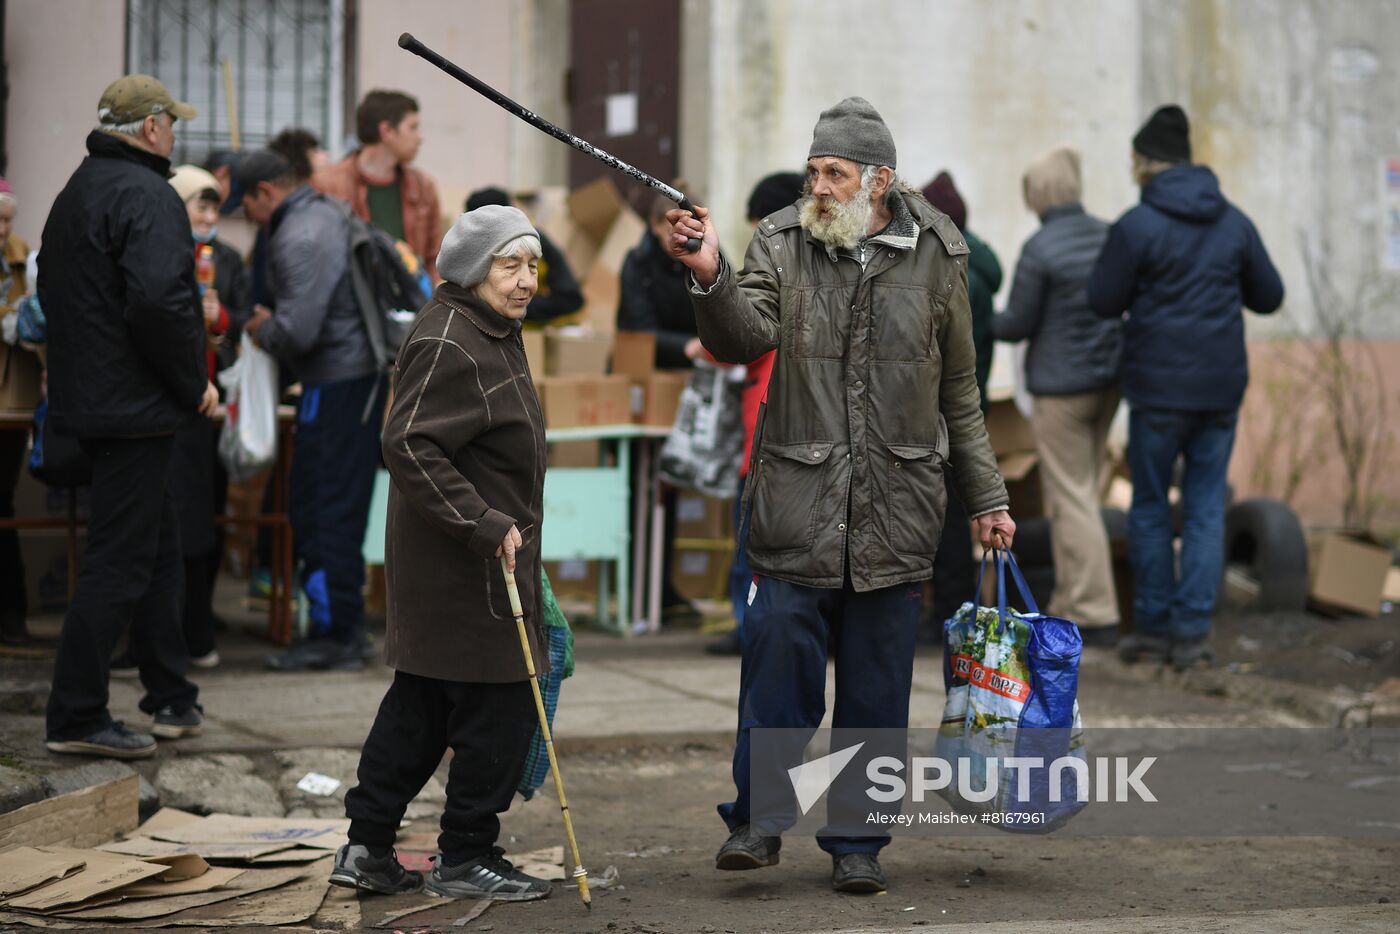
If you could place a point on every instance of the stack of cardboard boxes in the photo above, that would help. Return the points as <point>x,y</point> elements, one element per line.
<point>587,373</point>
<point>704,546</point>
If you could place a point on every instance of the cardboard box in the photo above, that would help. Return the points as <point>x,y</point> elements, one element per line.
<point>534,351</point>
<point>574,453</point>
<point>700,516</point>
<point>701,575</point>
<point>1347,571</point>
<point>602,290</point>
<point>573,353</point>
<point>625,233</point>
<point>601,286</point>
<point>580,250</point>
<point>656,398</point>
<point>1021,472</point>
<point>634,353</point>
<point>573,579</point>
<point>586,401</point>
<point>595,206</point>
<point>1009,430</point>
<point>20,379</point>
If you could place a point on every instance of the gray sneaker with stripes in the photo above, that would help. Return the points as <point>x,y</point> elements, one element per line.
<point>490,876</point>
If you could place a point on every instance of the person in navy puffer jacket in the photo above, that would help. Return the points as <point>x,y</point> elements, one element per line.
<point>1180,265</point>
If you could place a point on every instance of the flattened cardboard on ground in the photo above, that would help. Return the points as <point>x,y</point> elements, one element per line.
<point>25,867</point>
<point>80,818</point>
<point>102,873</point>
<point>226,828</point>
<point>547,863</point>
<point>156,889</point>
<point>298,854</point>
<point>213,852</point>
<point>181,866</point>
<point>289,904</point>
<point>166,818</point>
<point>1347,571</point>
<point>253,887</point>
<point>339,911</point>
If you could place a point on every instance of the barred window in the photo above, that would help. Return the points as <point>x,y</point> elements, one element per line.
<point>286,66</point>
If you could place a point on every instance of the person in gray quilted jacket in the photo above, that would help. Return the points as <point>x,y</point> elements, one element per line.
<point>1072,372</point>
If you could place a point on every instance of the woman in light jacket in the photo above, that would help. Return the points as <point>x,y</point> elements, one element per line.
<point>1072,372</point>
<point>464,443</point>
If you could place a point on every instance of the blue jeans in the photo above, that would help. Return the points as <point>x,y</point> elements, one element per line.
<point>332,483</point>
<point>788,630</point>
<point>1176,606</point>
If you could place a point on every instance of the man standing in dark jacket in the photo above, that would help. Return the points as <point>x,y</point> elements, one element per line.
<point>320,332</point>
<point>126,372</point>
<point>1180,264</point>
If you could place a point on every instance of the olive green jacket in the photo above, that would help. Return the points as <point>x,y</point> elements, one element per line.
<point>873,396</point>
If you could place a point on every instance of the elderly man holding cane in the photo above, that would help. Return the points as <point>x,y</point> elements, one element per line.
<point>873,405</point>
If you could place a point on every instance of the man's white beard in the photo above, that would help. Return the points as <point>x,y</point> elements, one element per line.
<point>848,222</point>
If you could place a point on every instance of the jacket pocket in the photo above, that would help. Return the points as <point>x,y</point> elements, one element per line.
<point>788,495</point>
<point>918,496</point>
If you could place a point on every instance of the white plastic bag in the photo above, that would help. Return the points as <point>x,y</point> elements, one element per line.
<point>248,440</point>
<point>706,444</point>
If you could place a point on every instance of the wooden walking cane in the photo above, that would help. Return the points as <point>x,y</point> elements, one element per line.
<point>580,874</point>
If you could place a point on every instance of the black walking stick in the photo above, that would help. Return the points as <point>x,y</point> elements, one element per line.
<point>406,41</point>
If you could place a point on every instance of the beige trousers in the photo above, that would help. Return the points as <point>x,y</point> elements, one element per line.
<point>1071,434</point>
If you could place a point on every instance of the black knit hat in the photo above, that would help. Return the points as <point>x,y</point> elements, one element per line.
<point>1166,135</point>
<point>773,193</point>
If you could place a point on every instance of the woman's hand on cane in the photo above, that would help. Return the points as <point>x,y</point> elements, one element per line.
<point>509,546</point>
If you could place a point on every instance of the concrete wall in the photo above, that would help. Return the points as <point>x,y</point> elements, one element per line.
<point>61,55</point>
<point>1295,105</point>
<point>979,89</point>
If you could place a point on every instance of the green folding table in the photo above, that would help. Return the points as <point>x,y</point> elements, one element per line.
<point>591,513</point>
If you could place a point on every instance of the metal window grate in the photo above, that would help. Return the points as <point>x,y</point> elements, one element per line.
<point>287,59</point>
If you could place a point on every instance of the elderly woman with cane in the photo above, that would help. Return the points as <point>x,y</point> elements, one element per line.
<point>464,443</point>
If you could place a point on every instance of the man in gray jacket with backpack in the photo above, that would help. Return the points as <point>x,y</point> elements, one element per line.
<point>319,332</point>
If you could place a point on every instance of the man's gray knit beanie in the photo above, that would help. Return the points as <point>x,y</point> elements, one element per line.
<point>465,257</point>
<point>853,130</point>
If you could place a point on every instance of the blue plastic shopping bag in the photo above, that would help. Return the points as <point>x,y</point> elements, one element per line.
<point>1012,680</point>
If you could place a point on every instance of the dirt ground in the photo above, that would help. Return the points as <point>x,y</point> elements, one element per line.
<point>650,813</point>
